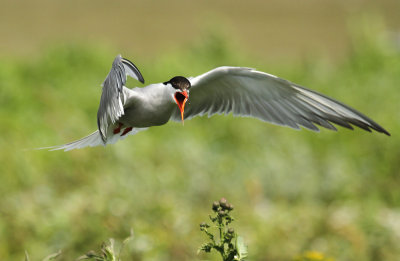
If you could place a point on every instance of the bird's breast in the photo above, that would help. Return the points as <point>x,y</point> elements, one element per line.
<point>148,111</point>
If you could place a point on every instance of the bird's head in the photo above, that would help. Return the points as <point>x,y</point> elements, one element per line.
<point>181,95</point>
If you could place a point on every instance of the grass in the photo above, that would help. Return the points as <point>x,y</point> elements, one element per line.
<point>294,191</point>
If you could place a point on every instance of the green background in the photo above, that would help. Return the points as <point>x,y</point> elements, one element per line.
<point>294,191</point>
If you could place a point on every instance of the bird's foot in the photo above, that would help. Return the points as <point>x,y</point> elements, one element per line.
<point>118,129</point>
<point>126,131</point>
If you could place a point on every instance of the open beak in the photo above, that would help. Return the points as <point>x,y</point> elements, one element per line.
<point>181,98</point>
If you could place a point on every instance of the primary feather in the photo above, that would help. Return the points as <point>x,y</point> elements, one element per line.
<point>112,98</point>
<point>249,93</point>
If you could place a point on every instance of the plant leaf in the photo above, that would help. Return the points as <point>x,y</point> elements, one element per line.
<point>52,256</point>
<point>241,249</point>
<point>26,256</point>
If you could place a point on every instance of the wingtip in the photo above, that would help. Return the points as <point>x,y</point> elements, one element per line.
<point>375,126</point>
<point>141,79</point>
<point>134,69</point>
<point>102,135</point>
<point>382,130</point>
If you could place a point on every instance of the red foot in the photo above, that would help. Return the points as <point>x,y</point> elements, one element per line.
<point>118,129</point>
<point>126,131</point>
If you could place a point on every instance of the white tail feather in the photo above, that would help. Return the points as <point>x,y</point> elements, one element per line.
<point>93,140</point>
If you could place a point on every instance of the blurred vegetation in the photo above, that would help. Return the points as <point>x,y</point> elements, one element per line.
<point>336,193</point>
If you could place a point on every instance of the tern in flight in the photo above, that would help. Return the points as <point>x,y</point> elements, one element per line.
<point>241,91</point>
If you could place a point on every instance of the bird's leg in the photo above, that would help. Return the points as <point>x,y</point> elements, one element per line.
<point>126,131</point>
<point>118,129</point>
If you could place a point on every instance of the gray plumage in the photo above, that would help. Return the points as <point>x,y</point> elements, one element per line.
<point>112,98</point>
<point>241,91</point>
<point>249,93</point>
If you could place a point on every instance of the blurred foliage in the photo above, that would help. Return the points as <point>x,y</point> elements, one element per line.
<point>333,192</point>
<point>47,258</point>
<point>109,251</point>
<point>312,256</point>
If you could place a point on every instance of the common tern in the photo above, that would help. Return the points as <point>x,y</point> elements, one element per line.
<point>241,91</point>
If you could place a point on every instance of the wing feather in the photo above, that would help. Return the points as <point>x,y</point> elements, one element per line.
<point>112,98</point>
<point>250,93</point>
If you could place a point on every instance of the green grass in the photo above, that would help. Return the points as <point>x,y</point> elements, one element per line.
<point>294,191</point>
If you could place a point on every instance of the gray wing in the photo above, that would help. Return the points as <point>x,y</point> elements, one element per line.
<point>112,98</point>
<point>250,93</point>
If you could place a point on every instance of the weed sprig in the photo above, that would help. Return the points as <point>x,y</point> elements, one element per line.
<point>228,244</point>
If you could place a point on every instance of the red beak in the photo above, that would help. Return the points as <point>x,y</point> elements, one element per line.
<point>181,98</point>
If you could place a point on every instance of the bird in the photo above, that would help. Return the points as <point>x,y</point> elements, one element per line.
<point>240,91</point>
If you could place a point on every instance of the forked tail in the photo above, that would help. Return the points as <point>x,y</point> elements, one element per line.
<point>93,140</point>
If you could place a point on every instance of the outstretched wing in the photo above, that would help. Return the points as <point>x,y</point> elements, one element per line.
<point>250,93</point>
<point>112,98</point>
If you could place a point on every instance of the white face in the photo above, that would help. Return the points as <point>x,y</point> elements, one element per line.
<point>178,87</point>
<point>174,91</point>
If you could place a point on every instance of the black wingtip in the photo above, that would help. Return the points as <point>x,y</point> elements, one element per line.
<point>133,67</point>
<point>382,130</point>
<point>375,126</point>
<point>102,136</point>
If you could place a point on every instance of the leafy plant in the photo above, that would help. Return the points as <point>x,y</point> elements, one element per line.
<point>47,258</point>
<point>227,242</point>
<point>109,251</point>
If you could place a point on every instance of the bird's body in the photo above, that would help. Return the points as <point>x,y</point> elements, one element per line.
<point>238,90</point>
<point>148,106</point>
